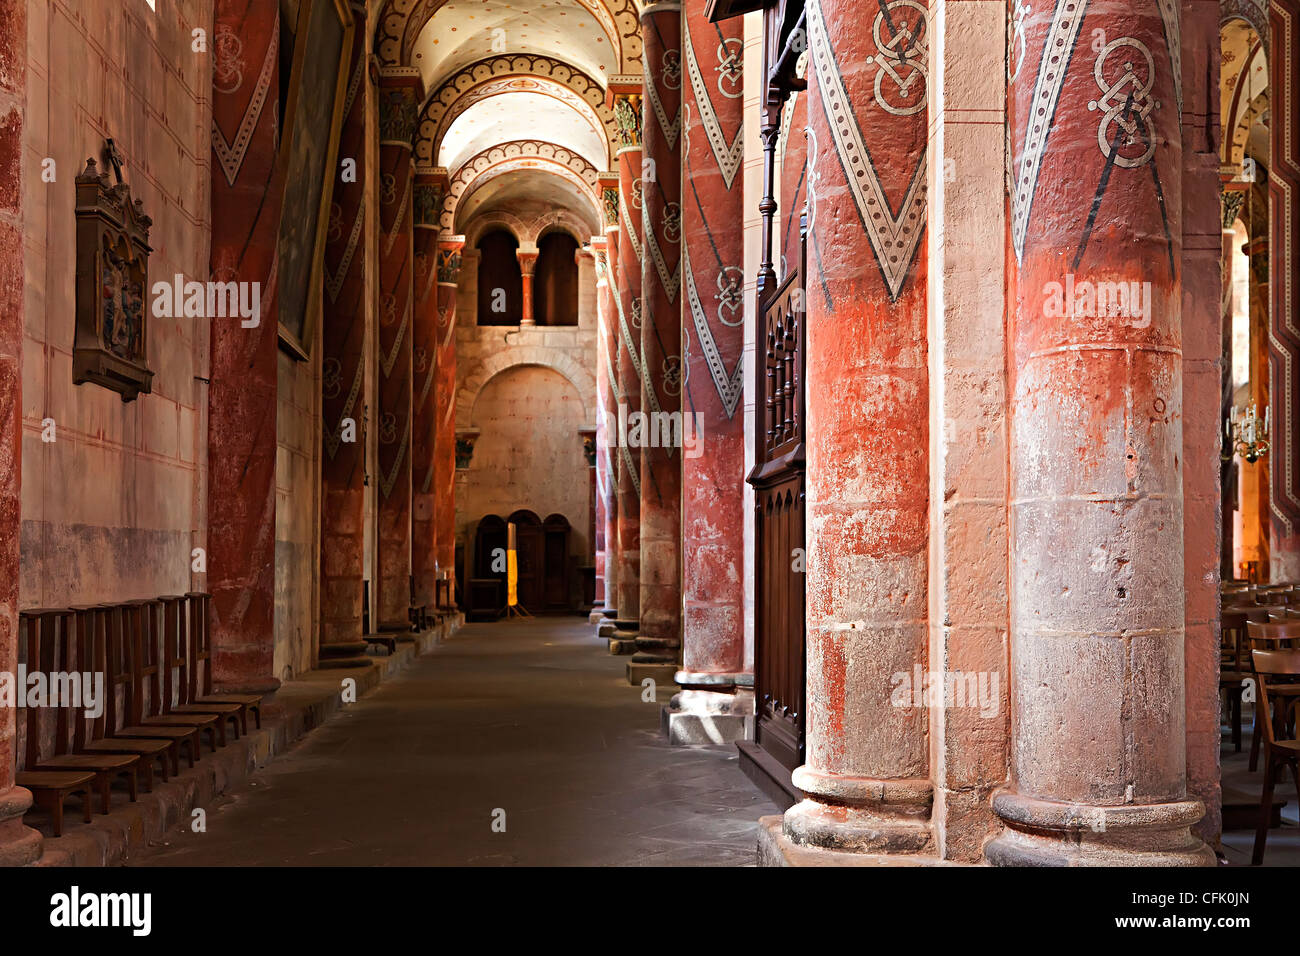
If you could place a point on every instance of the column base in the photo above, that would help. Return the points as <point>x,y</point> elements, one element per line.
<point>1049,833</point>
<point>19,845</point>
<point>777,849</point>
<point>596,616</point>
<point>605,630</point>
<point>343,654</point>
<point>264,685</point>
<point>623,640</point>
<point>707,717</point>
<point>861,814</point>
<point>610,612</point>
<point>661,674</point>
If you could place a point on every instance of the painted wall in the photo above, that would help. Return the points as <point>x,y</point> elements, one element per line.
<point>529,453</point>
<point>113,506</point>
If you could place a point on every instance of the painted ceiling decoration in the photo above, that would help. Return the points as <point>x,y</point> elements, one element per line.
<point>1243,87</point>
<point>502,75</point>
<point>442,36</point>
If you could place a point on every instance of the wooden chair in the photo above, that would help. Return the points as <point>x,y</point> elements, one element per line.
<point>48,639</point>
<point>146,635</point>
<point>1234,666</point>
<point>1279,750</point>
<point>200,658</point>
<point>175,671</point>
<point>1279,634</point>
<point>98,735</point>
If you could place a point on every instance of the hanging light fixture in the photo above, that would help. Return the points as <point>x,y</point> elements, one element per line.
<point>1246,434</point>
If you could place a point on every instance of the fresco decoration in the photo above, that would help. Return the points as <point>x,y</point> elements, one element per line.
<point>111,342</point>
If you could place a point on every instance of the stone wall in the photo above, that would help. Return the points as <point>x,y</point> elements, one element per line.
<point>113,506</point>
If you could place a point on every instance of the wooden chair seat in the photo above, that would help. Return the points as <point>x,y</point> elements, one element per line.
<point>212,723</point>
<point>49,788</point>
<point>104,766</point>
<point>250,703</point>
<point>148,750</point>
<point>186,738</point>
<point>232,712</point>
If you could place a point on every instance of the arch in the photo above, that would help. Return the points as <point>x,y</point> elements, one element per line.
<point>508,74</point>
<point>528,230</point>
<point>400,23</point>
<point>520,154</point>
<point>1249,12</point>
<point>498,268</point>
<point>578,376</point>
<point>555,279</point>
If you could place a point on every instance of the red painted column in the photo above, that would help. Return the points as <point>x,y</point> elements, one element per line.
<point>19,845</point>
<point>343,341</point>
<point>659,639</point>
<point>611,397</point>
<point>247,190</point>
<point>427,204</point>
<point>527,263</point>
<point>713,339</point>
<point>1284,283</point>
<point>399,97</point>
<point>444,455</point>
<point>1098,750</point>
<point>866,770</point>
<point>603,561</point>
<point>626,95</point>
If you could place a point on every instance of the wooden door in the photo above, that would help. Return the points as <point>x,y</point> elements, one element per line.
<point>778,481</point>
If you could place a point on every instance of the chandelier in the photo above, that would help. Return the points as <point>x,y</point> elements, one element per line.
<point>1246,433</point>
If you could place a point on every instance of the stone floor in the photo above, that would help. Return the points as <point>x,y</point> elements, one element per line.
<point>533,718</point>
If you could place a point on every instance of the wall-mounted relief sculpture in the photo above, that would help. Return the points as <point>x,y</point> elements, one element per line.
<point>111,343</point>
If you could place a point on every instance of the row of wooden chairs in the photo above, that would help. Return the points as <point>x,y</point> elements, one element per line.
<point>157,705</point>
<point>1275,665</point>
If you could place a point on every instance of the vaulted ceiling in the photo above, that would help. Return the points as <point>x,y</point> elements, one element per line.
<point>499,72</point>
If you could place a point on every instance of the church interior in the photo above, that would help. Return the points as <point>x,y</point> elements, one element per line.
<point>661,432</point>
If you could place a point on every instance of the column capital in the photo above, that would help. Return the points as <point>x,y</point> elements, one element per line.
<point>449,259</point>
<point>623,96</point>
<point>401,91</point>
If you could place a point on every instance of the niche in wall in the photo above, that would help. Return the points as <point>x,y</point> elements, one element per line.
<point>555,293</point>
<point>500,283</point>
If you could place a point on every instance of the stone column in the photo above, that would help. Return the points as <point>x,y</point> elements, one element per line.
<point>343,345</point>
<point>659,639</point>
<point>612,397</point>
<point>399,98</point>
<point>19,845</point>
<point>866,770</point>
<point>713,337</point>
<point>444,455</point>
<point>625,92</point>
<point>427,206</point>
<point>247,190</point>
<point>1284,284</point>
<point>1098,749</point>
<point>602,544</point>
<point>527,256</point>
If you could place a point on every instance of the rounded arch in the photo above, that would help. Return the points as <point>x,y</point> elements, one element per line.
<point>502,75</point>
<point>489,368</point>
<point>1250,13</point>
<point>400,23</point>
<point>528,230</point>
<point>520,154</point>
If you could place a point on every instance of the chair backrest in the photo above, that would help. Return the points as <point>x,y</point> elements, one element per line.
<point>1268,636</point>
<point>1232,638</point>
<point>200,643</point>
<point>47,649</point>
<point>1269,664</point>
<point>175,650</point>
<point>139,618</point>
